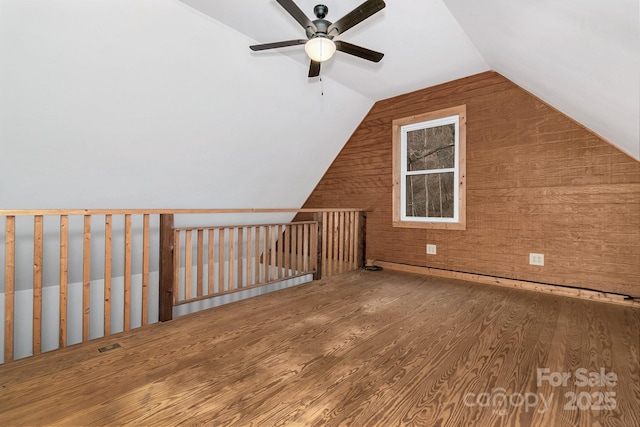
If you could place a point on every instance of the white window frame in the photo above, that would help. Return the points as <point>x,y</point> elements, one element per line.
<point>455,115</point>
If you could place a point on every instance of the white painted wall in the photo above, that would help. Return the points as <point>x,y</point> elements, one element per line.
<point>143,104</point>
<point>50,321</point>
<point>23,309</point>
<point>148,103</point>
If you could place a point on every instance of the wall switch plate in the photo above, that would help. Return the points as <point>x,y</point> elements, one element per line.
<point>431,249</point>
<point>536,259</point>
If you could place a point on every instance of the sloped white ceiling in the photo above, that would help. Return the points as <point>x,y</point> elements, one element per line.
<point>149,103</point>
<point>580,56</point>
<point>422,43</point>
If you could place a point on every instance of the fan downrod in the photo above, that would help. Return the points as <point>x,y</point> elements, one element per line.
<point>320,11</point>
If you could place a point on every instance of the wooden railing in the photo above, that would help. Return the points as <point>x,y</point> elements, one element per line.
<point>75,275</point>
<point>342,237</point>
<point>231,259</point>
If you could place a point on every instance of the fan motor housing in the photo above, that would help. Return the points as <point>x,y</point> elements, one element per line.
<point>322,25</point>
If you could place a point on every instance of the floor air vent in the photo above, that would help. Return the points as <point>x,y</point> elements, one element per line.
<point>109,347</point>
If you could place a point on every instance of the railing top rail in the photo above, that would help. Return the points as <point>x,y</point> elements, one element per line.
<point>21,212</point>
<point>210,227</point>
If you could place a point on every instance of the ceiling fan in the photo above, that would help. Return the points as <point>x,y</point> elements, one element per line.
<point>320,45</point>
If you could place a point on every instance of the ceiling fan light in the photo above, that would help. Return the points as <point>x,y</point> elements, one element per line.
<point>320,49</point>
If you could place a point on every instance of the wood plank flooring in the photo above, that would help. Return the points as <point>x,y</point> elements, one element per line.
<point>360,349</point>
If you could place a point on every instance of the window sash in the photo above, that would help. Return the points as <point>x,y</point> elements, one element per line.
<point>416,121</point>
<point>429,171</point>
<point>404,130</point>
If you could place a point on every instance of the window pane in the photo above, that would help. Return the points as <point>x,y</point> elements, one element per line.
<point>430,195</point>
<point>431,148</point>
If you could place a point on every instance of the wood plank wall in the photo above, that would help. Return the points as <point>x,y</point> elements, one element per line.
<point>536,182</point>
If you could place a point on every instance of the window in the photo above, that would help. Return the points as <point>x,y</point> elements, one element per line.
<point>429,170</point>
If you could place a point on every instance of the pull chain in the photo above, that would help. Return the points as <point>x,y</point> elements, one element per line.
<point>321,87</point>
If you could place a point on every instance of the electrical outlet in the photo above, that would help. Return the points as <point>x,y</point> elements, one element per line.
<point>536,259</point>
<point>431,249</point>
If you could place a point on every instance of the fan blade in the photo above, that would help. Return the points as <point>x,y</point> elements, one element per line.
<point>314,69</point>
<point>277,44</point>
<point>297,14</point>
<point>362,52</point>
<point>356,16</point>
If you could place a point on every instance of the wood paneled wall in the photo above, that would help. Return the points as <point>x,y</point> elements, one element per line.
<point>536,182</point>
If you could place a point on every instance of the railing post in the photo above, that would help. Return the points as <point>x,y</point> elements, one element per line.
<point>318,274</point>
<point>166,268</point>
<point>362,239</point>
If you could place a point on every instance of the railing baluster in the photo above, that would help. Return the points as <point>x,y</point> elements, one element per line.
<point>354,240</point>
<point>64,279</point>
<point>346,256</point>
<point>188,260</point>
<point>325,244</point>
<point>127,272</point>
<point>37,284</point>
<point>316,248</point>
<point>265,253</point>
<point>221,250</point>
<point>286,235</point>
<point>305,252</point>
<point>341,238</point>
<point>250,232</point>
<point>257,256</point>
<point>146,246</point>
<point>273,263</point>
<point>108,232</point>
<point>300,249</point>
<point>277,237</point>
<point>313,250</point>
<point>200,267</point>
<point>176,267</point>
<point>336,242</point>
<point>240,257</point>
<point>294,249</point>
<point>232,251</point>
<point>9,286</point>
<point>210,261</point>
<point>86,277</point>
<point>360,238</point>
<point>329,241</point>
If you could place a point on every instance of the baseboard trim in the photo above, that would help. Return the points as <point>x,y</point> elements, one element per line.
<point>511,283</point>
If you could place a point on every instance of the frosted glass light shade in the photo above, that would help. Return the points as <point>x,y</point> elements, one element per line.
<point>320,49</point>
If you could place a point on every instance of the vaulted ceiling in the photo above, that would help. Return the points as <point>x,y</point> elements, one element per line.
<point>580,56</point>
<point>160,103</point>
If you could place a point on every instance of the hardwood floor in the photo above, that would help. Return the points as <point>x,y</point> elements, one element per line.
<point>361,349</point>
